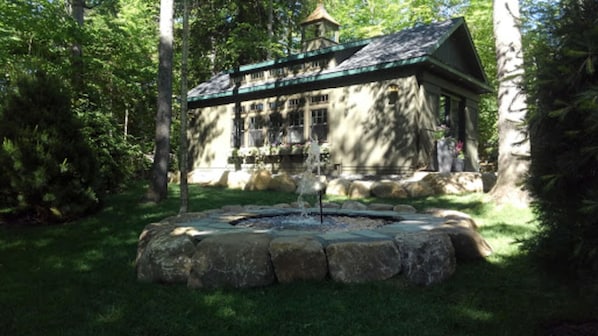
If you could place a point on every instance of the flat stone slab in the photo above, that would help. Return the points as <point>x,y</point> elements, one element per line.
<point>206,249</point>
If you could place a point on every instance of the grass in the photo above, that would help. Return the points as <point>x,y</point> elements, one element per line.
<point>79,279</point>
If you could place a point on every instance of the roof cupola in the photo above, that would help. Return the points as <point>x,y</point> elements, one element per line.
<point>319,30</point>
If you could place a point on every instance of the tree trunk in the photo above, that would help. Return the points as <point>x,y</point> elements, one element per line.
<point>183,155</point>
<point>513,147</point>
<point>158,189</point>
<point>77,11</point>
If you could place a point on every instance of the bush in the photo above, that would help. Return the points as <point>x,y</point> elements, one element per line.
<point>564,140</point>
<point>48,168</point>
<point>118,160</point>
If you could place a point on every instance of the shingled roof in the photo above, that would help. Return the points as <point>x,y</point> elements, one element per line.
<point>420,45</point>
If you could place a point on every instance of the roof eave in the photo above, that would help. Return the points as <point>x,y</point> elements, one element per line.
<point>482,86</point>
<point>309,79</point>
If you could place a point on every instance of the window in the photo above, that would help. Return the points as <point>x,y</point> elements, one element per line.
<point>256,107</point>
<point>296,102</point>
<point>444,111</point>
<point>256,132</point>
<point>278,72</point>
<point>320,99</point>
<point>295,129</point>
<point>319,124</point>
<point>275,130</point>
<point>393,94</point>
<point>238,133</point>
<point>257,75</point>
<point>319,64</point>
<point>276,105</point>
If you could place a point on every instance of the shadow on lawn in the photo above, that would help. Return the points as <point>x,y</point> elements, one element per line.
<point>79,279</point>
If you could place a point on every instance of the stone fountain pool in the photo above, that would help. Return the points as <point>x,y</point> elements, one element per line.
<point>251,246</point>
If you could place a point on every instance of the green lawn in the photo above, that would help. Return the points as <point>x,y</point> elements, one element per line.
<point>79,279</point>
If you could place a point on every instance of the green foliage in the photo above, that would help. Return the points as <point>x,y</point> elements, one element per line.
<point>119,161</point>
<point>564,134</point>
<point>48,169</point>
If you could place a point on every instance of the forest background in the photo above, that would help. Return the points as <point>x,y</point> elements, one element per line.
<point>108,55</point>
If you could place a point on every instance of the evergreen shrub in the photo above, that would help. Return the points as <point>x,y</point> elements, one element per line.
<point>564,140</point>
<point>48,169</point>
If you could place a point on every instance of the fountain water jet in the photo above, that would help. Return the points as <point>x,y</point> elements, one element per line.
<point>310,182</point>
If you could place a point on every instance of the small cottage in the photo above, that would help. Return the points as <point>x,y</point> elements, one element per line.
<point>375,106</point>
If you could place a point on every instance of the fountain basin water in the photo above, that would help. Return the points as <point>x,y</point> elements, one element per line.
<point>205,250</point>
<point>314,222</point>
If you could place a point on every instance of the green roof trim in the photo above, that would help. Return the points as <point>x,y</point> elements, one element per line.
<point>339,74</point>
<point>297,57</point>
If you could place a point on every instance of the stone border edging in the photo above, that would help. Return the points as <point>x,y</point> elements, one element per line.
<point>204,251</point>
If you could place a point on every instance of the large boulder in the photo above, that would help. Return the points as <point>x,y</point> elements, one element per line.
<point>298,258</point>
<point>238,179</point>
<point>282,182</point>
<point>418,189</point>
<point>427,258</point>
<point>164,255</point>
<point>259,180</point>
<point>455,183</point>
<point>239,260</point>
<point>453,217</point>
<point>209,178</point>
<point>360,189</point>
<point>338,187</point>
<point>468,243</point>
<point>354,262</point>
<point>388,189</point>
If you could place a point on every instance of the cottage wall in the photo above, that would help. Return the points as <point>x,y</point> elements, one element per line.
<point>381,127</point>
<point>375,127</point>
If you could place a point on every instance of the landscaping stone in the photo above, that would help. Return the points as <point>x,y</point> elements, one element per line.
<point>353,205</point>
<point>239,260</point>
<point>206,251</point>
<point>298,258</point>
<point>282,182</point>
<point>259,180</point>
<point>211,178</point>
<point>233,208</point>
<point>453,217</point>
<point>418,189</point>
<point>388,189</point>
<point>427,258</point>
<point>455,183</point>
<point>404,208</point>
<point>468,243</point>
<point>380,207</point>
<point>166,257</point>
<point>360,189</point>
<point>238,179</point>
<point>330,205</point>
<point>354,262</point>
<point>338,187</point>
